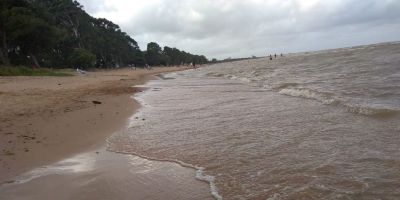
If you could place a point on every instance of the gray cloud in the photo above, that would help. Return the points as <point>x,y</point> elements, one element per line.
<point>94,6</point>
<point>222,28</point>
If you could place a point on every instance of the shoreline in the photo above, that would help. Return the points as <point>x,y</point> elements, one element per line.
<point>48,119</point>
<point>107,175</point>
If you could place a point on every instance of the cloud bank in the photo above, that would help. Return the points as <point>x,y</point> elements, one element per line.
<point>241,28</point>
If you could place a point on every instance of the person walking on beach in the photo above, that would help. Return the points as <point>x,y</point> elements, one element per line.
<point>270,57</point>
<point>275,55</point>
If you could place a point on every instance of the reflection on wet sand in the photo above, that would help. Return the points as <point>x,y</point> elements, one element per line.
<point>107,175</point>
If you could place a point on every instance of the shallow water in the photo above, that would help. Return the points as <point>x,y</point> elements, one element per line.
<point>320,125</point>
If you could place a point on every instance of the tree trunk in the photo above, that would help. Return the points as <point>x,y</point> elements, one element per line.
<point>4,57</point>
<point>34,60</point>
<point>75,30</point>
<point>3,48</point>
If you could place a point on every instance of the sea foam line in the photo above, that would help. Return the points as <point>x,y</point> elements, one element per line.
<point>210,180</point>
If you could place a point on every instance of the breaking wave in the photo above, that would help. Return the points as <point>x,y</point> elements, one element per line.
<point>329,99</point>
<point>371,110</point>
<point>309,94</point>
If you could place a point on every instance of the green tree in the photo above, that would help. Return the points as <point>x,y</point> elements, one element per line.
<point>82,58</point>
<point>5,5</point>
<point>29,33</point>
<point>153,54</point>
<point>3,38</point>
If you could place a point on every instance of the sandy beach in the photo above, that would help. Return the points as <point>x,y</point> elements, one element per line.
<point>47,119</point>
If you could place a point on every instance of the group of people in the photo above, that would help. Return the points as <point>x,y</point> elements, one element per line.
<point>270,56</point>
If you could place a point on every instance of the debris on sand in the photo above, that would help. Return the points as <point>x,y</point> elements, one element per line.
<point>8,153</point>
<point>96,102</point>
<point>26,137</point>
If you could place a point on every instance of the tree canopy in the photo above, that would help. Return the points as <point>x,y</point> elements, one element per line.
<point>59,33</point>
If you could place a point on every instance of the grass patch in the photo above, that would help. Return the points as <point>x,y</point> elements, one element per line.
<point>27,71</point>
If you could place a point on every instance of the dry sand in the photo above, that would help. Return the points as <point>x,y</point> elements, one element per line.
<point>47,119</point>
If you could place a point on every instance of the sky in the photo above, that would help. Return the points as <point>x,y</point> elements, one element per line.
<point>243,28</point>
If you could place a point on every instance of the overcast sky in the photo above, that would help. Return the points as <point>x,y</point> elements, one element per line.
<point>241,28</point>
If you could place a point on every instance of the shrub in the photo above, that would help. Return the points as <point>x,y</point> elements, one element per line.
<point>82,58</point>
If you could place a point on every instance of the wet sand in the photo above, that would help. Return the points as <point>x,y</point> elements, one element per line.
<point>107,175</point>
<point>44,120</point>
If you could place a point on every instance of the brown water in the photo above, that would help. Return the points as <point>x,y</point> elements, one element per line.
<point>320,125</point>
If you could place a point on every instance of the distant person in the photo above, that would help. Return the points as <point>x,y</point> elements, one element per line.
<point>194,64</point>
<point>275,55</point>
<point>270,57</point>
<point>281,55</point>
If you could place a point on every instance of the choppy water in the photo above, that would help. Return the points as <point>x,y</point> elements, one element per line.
<point>320,125</point>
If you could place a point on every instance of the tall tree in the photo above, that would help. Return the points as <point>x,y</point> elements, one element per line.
<point>4,6</point>
<point>3,37</point>
<point>153,54</point>
<point>67,13</point>
<point>29,33</point>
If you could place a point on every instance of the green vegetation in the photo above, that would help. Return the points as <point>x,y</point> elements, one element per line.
<point>60,34</point>
<point>26,71</point>
<point>82,58</point>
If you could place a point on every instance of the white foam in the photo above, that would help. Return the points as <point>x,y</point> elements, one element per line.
<point>308,94</point>
<point>211,180</point>
<point>76,164</point>
<point>199,170</point>
<point>370,110</point>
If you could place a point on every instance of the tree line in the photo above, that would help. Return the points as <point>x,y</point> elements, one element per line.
<point>59,33</point>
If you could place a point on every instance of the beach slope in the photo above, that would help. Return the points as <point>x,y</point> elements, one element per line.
<point>47,119</point>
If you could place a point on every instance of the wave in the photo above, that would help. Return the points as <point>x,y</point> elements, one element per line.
<point>325,98</point>
<point>284,85</point>
<point>371,110</point>
<point>298,90</point>
<point>164,77</point>
<point>229,76</point>
<point>215,74</point>
<point>329,99</point>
